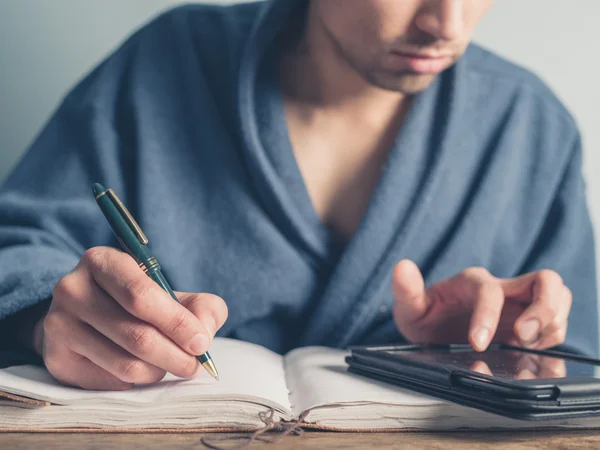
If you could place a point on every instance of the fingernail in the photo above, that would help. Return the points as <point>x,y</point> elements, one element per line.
<point>528,331</point>
<point>211,325</point>
<point>199,343</point>
<point>480,338</point>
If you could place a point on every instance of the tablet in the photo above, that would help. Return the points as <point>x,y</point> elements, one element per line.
<point>514,382</point>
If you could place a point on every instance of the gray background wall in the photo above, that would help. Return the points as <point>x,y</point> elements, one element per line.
<point>45,46</point>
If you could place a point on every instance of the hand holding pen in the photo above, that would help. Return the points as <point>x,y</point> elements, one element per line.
<point>110,325</point>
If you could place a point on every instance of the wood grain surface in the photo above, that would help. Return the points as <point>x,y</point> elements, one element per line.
<point>314,440</point>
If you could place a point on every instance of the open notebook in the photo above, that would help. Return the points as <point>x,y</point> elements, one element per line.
<point>312,382</point>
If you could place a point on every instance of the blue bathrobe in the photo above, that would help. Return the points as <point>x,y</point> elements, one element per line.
<point>185,121</point>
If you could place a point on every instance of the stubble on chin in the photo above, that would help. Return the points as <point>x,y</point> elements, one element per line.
<point>406,83</point>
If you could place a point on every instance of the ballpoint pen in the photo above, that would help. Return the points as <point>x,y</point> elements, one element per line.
<point>135,243</point>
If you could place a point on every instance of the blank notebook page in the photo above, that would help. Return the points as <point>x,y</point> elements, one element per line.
<point>318,376</point>
<point>246,371</point>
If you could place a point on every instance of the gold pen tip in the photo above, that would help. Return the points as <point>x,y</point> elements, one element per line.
<point>209,366</point>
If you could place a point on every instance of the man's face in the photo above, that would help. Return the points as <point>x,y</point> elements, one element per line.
<point>400,45</point>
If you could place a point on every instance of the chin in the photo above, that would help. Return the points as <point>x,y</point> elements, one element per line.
<point>409,84</point>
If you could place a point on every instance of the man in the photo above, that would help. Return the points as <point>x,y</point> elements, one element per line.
<point>306,167</point>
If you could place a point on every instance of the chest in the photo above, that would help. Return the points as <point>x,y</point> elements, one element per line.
<point>341,162</point>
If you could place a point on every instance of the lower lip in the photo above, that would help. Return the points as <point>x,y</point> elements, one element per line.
<point>420,64</point>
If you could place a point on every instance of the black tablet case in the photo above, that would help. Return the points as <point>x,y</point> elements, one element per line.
<point>577,401</point>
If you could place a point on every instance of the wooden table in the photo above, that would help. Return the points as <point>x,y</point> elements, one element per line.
<point>587,440</point>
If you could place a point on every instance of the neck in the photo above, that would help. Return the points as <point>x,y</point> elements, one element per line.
<point>316,76</point>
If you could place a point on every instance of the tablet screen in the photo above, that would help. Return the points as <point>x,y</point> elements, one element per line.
<point>504,363</point>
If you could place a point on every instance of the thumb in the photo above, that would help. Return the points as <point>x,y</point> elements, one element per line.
<point>410,300</point>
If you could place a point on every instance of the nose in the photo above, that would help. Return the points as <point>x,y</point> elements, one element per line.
<point>442,19</point>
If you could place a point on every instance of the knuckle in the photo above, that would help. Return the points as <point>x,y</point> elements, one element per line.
<point>141,338</point>
<point>132,370</point>
<point>95,259</point>
<point>136,292</point>
<point>65,289</point>
<point>477,272</point>
<point>179,323</point>
<point>550,277</point>
<point>52,323</point>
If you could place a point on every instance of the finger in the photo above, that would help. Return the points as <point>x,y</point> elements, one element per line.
<point>526,374</point>
<point>514,342</point>
<point>95,307</point>
<point>410,300</point>
<point>118,274</point>
<point>75,370</point>
<point>86,341</point>
<point>546,297</point>
<point>530,362</point>
<point>487,308</point>
<point>481,367</point>
<point>208,308</point>
<point>519,288</point>
<point>552,367</point>
<point>556,338</point>
<point>561,319</point>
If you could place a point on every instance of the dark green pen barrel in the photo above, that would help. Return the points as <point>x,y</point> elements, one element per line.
<point>123,231</point>
<point>132,244</point>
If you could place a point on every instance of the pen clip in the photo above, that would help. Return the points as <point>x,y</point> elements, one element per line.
<point>127,216</point>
